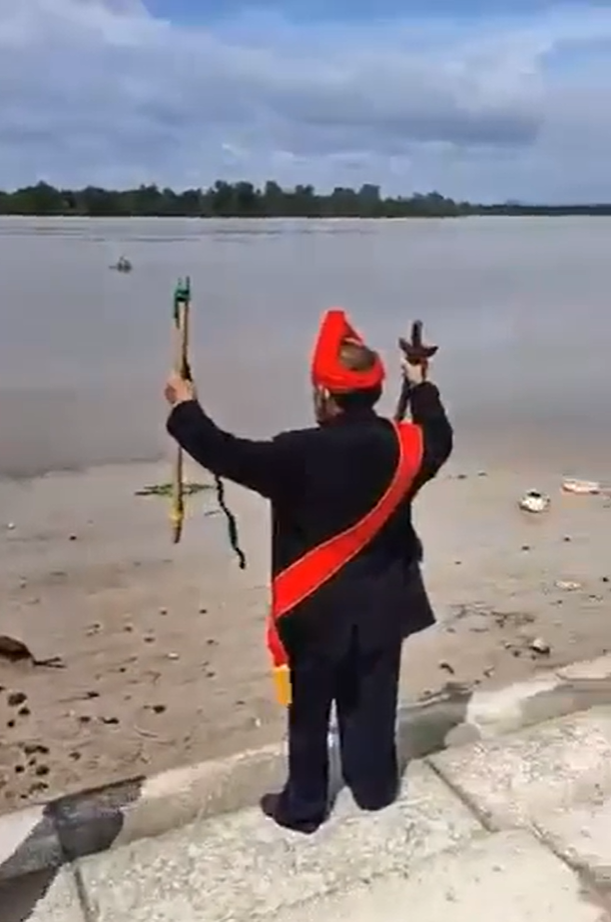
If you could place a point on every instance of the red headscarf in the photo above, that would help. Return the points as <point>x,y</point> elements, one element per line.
<point>326,368</point>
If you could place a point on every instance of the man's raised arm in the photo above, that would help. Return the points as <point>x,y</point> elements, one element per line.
<point>259,465</point>
<point>428,412</point>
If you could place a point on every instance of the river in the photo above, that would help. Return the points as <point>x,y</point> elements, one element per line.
<point>519,307</point>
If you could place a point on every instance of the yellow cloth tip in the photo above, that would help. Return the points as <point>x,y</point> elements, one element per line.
<point>282,682</point>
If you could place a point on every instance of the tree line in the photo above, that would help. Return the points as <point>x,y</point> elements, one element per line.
<point>244,200</point>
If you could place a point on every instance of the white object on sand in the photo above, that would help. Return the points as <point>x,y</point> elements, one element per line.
<point>583,487</point>
<point>534,501</point>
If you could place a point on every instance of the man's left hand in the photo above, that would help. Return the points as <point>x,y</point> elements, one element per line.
<point>179,390</point>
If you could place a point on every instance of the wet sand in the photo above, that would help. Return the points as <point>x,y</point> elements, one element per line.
<point>162,653</point>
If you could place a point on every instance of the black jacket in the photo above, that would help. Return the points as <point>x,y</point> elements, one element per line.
<point>321,481</point>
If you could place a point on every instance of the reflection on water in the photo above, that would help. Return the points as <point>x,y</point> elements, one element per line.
<point>519,307</point>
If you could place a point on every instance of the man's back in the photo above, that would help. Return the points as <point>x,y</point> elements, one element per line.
<point>321,481</point>
<point>345,467</point>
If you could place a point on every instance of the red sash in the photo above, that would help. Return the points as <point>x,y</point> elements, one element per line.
<point>307,574</point>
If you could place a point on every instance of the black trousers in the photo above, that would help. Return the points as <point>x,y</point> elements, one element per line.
<point>364,685</point>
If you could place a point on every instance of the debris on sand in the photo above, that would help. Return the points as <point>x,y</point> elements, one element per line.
<point>15,699</point>
<point>540,646</point>
<point>582,487</point>
<point>165,489</point>
<point>567,585</point>
<point>15,651</point>
<point>534,501</point>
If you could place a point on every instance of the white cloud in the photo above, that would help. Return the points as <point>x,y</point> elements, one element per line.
<point>102,92</point>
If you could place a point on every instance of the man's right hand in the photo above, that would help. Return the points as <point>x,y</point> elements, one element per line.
<point>415,373</point>
<point>179,390</point>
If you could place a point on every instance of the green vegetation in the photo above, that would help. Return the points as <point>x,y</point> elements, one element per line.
<point>243,200</point>
<point>166,489</point>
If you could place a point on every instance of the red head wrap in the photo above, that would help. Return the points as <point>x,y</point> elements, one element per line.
<point>327,371</point>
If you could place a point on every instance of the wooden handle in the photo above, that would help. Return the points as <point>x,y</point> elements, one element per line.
<point>416,353</point>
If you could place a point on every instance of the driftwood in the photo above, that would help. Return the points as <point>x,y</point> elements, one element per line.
<point>15,651</point>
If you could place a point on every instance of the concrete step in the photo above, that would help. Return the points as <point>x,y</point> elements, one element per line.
<point>513,780</point>
<point>243,867</point>
<point>516,828</point>
<point>507,877</point>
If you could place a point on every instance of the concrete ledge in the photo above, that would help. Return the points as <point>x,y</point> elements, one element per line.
<point>241,867</point>
<point>28,843</point>
<point>506,877</point>
<point>582,837</point>
<point>98,820</point>
<point>513,782</point>
<point>46,836</point>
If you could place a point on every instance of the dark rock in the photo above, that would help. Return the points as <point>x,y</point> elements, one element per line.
<point>16,698</point>
<point>31,749</point>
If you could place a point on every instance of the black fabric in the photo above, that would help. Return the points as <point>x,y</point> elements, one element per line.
<point>344,642</point>
<point>364,685</point>
<point>321,481</point>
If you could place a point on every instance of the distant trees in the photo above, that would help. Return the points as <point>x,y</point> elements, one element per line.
<point>244,200</point>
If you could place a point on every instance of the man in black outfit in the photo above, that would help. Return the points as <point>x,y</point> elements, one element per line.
<point>331,487</point>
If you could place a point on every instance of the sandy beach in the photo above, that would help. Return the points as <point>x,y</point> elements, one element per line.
<point>162,655</point>
<point>162,660</point>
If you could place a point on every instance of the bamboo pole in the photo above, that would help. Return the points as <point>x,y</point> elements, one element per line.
<point>182,304</point>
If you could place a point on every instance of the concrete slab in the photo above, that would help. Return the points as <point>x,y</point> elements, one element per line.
<point>28,843</point>
<point>242,866</point>
<point>553,765</point>
<point>583,837</point>
<point>509,878</point>
<point>501,710</point>
<point>599,668</point>
<point>46,896</point>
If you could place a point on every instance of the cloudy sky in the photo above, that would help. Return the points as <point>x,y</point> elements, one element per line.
<point>483,99</point>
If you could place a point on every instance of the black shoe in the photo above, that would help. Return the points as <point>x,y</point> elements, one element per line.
<point>273,807</point>
<point>380,802</point>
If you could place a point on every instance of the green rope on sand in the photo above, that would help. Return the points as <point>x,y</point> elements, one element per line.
<point>165,489</point>
<point>232,525</point>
